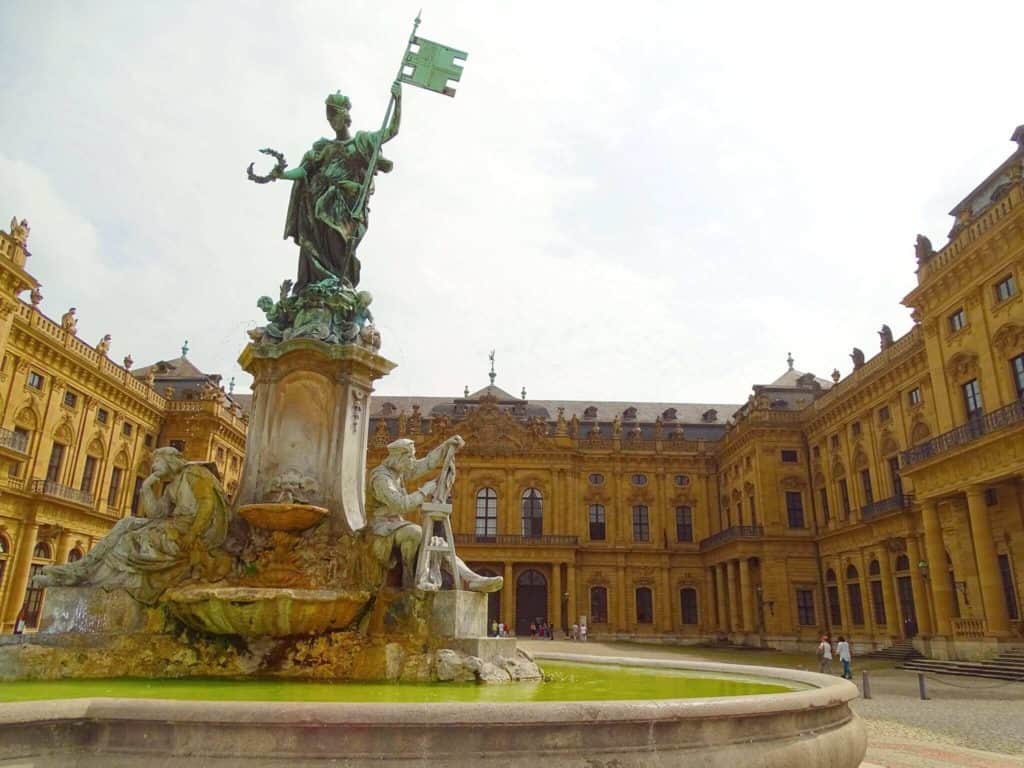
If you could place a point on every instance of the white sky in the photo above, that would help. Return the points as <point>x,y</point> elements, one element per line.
<point>648,201</point>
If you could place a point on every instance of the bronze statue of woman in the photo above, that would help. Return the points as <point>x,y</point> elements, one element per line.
<point>327,214</point>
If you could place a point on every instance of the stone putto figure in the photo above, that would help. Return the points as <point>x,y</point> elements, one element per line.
<point>389,503</point>
<point>69,322</point>
<point>103,345</point>
<point>857,356</point>
<point>179,535</point>
<point>923,249</point>
<point>885,337</point>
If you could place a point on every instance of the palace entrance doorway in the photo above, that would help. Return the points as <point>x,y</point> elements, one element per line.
<point>531,600</point>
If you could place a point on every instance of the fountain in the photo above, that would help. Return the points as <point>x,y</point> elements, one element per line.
<point>314,572</point>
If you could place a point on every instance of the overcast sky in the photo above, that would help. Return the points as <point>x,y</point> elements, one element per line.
<point>654,201</point>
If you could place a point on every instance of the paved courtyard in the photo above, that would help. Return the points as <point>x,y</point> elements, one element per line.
<point>966,723</point>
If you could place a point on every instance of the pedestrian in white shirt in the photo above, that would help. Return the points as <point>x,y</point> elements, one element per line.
<point>825,655</point>
<point>843,649</point>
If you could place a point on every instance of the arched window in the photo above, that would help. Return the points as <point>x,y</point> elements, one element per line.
<point>856,600</point>
<point>595,514</point>
<point>42,551</point>
<point>533,513</point>
<point>644,606</point>
<point>688,605</point>
<point>74,555</point>
<point>5,550</point>
<point>877,600</point>
<point>486,513</point>
<point>902,563</point>
<point>835,614</point>
<point>684,524</point>
<point>599,605</point>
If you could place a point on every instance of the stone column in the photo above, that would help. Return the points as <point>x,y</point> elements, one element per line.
<point>63,547</point>
<point>555,601</point>
<point>20,565</point>
<point>892,617</point>
<point>844,599</point>
<point>746,596</point>
<point>723,619</point>
<point>664,582</point>
<point>997,620</point>
<point>734,595</point>
<point>621,602</point>
<point>936,551</point>
<point>508,599</point>
<point>570,587</point>
<point>865,589</point>
<point>924,621</point>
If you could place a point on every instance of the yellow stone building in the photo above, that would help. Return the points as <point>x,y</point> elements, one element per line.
<point>77,430</point>
<point>886,505</point>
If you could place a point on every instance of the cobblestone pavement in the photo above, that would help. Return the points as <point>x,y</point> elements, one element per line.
<point>966,723</point>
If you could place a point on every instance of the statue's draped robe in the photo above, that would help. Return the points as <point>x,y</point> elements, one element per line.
<point>320,216</point>
<point>146,555</point>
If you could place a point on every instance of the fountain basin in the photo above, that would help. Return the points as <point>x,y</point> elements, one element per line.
<point>266,611</point>
<point>282,517</point>
<point>813,726</point>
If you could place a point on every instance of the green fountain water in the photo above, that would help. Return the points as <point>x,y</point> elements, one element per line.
<point>564,682</point>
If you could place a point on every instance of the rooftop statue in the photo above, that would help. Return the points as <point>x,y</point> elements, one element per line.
<point>179,535</point>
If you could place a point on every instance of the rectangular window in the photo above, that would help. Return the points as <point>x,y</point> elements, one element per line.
<point>795,509</point>
<point>894,476</point>
<point>823,496</point>
<point>126,429</point>
<point>844,497</point>
<point>641,524</point>
<point>1017,366</point>
<point>855,428</point>
<point>688,605</point>
<point>1008,588</point>
<point>878,603</point>
<point>914,396</point>
<point>70,398</point>
<point>486,512</point>
<point>89,473</point>
<point>753,511</point>
<point>856,604</point>
<point>835,613</point>
<point>1006,288</point>
<point>56,460</point>
<point>991,497</point>
<point>816,451</point>
<point>34,380</point>
<point>220,454</point>
<point>684,524</point>
<point>790,457</point>
<point>179,445</point>
<point>597,523</point>
<point>102,416</point>
<point>884,414</point>
<point>805,608</point>
<point>115,486</point>
<point>148,441</point>
<point>957,320</point>
<point>739,514</point>
<point>972,399</point>
<point>865,484</point>
<point>834,440</point>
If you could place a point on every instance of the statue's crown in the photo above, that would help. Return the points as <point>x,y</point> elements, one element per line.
<point>338,100</point>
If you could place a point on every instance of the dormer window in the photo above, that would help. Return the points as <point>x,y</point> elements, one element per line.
<point>709,416</point>
<point>669,414</point>
<point>629,414</point>
<point>590,412</point>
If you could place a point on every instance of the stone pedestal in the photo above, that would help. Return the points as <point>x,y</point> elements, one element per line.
<point>310,419</point>
<point>459,614</point>
<point>93,610</point>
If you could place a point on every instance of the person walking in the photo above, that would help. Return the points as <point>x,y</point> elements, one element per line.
<point>843,651</point>
<point>825,655</point>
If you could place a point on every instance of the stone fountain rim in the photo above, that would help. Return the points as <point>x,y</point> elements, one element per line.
<point>828,692</point>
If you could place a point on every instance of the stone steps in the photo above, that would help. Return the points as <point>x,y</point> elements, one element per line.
<point>1008,665</point>
<point>899,651</point>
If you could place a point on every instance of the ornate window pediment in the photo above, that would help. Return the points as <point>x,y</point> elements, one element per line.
<point>1009,338</point>
<point>792,482</point>
<point>963,365</point>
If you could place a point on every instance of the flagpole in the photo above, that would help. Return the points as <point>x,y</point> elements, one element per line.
<point>357,210</point>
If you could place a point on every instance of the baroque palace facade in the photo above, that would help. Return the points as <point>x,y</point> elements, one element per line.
<point>886,505</point>
<point>77,430</point>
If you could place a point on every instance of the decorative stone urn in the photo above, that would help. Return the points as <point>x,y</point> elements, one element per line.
<point>311,418</point>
